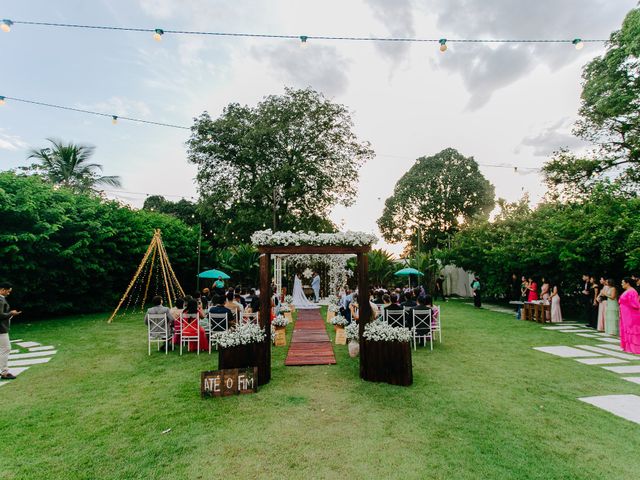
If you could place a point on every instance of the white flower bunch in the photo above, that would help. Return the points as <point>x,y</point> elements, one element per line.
<point>288,299</point>
<point>379,331</point>
<point>242,334</point>
<point>308,273</point>
<point>280,321</point>
<point>268,237</point>
<point>351,331</point>
<point>334,308</point>
<point>285,308</point>
<point>339,320</point>
<point>333,299</point>
<point>273,333</point>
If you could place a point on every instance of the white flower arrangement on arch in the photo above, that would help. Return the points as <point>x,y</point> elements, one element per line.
<point>280,321</point>
<point>349,238</point>
<point>379,331</point>
<point>308,273</point>
<point>241,334</point>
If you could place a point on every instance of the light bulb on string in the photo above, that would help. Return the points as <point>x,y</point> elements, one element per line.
<point>578,43</point>
<point>5,26</point>
<point>157,36</point>
<point>443,44</point>
<point>114,119</point>
<point>2,100</point>
<point>303,41</point>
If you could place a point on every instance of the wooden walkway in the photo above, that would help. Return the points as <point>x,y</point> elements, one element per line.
<point>310,344</point>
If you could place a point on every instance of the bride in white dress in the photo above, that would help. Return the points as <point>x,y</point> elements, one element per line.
<point>300,300</point>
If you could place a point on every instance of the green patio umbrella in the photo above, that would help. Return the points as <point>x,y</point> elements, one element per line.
<point>214,274</point>
<point>407,272</point>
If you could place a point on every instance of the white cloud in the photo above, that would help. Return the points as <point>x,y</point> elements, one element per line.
<point>11,142</point>
<point>552,138</point>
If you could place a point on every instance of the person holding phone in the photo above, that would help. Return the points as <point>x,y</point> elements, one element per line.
<point>5,323</point>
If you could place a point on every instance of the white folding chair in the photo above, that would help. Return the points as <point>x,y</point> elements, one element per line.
<point>408,315</point>
<point>395,318</point>
<point>158,331</point>
<point>380,311</point>
<point>435,322</point>
<point>422,329</point>
<point>218,322</point>
<point>189,322</point>
<point>251,318</point>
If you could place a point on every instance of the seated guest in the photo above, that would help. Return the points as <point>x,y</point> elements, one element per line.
<point>386,299</point>
<point>378,297</point>
<point>423,304</point>
<point>409,302</point>
<point>159,309</point>
<point>240,302</point>
<point>219,307</point>
<point>232,305</point>
<point>254,301</point>
<point>175,312</point>
<point>395,303</point>
<point>193,308</point>
<point>345,303</point>
<point>206,297</point>
<point>354,310</point>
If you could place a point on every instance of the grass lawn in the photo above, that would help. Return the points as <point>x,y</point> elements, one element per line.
<point>484,405</point>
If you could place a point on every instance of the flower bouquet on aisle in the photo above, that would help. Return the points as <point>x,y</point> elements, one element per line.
<point>386,354</point>
<point>352,334</point>
<point>339,322</point>
<point>288,299</point>
<point>279,325</point>
<point>333,309</point>
<point>244,346</point>
<point>285,309</point>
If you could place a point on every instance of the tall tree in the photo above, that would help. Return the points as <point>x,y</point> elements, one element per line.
<point>183,209</point>
<point>609,117</point>
<point>434,198</point>
<point>283,163</point>
<point>69,165</point>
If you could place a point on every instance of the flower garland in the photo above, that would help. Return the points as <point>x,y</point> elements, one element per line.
<point>242,334</point>
<point>379,331</point>
<point>349,238</point>
<point>338,271</point>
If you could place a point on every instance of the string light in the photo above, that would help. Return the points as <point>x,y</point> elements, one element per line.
<point>303,41</point>
<point>443,44</point>
<point>578,43</point>
<point>114,119</point>
<point>5,26</point>
<point>157,36</point>
<point>2,100</point>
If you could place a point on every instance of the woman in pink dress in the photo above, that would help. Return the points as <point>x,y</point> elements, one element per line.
<point>556,312</point>
<point>629,318</point>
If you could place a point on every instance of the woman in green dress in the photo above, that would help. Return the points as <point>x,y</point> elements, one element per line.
<point>612,312</point>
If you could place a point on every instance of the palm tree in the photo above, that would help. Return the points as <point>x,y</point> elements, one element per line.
<point>381,267</point>
<point>68,165</point>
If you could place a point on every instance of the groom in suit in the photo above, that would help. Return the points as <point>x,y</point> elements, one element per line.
<point>315,285</point>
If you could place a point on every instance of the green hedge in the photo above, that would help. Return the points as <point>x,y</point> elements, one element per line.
<point>560,241</point>
<point>66,252</point>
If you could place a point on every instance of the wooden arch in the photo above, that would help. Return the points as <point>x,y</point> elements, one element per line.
<point>265,287</point>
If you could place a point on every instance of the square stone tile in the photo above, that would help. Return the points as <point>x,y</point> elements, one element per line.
<point>41,349</point>
<point>578,330</point>
<point>609,346</point>
<point>566,352</point>
<point>19,356</point>
<point>27,361</point>
<point>600,361</point>
<point>560,327</point>
<point>28,344</point>
<point>610,340</point>
<point>632,379</point>
<point>624,369</point>
<point>611,353</point>
<point>588,335</point>
<point>625,406</point>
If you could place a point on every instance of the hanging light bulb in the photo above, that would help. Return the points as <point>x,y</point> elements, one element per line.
<point>2,100</point>
<point>578,43</point>
<point>6,25</point>
<point>157,36</point>
<point>114,119</point>
<point>303,41</point>
<point>443,44</point>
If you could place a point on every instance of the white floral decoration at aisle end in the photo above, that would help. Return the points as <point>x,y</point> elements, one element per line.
<point>280,321</point>
<point>349,238</point>
<point>242,334</point>
<point>339,320</point>
<point>351,331</point>
<point>379,331</point>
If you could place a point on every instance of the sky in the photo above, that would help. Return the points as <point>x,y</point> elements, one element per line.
<point>503,104</point>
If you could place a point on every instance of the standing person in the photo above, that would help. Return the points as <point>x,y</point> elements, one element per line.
<point>439,288</point>
<point>524,294</point>
<point>475,288</point>
<point>556,312</point>
<point>584,298</point>
<point>629,318</point>
<point>218,286</point>
<point>594,293</point>
<point>315,285</point>
<point>602,303</point>
<point>5,324</point>
<point>612,313</point>
<point>532,290</point>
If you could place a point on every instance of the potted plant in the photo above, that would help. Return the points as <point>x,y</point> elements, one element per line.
<point>285,309</point>
<point>339,322</point>
<point>244,346</point>
<point>351,332</point>
<point>280,324</point>
<point>385,354</point>
<point>332,310</point>
<point>288,299</point>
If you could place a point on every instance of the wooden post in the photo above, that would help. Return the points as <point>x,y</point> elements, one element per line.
<point>365,308</point>
<point>265,311</point>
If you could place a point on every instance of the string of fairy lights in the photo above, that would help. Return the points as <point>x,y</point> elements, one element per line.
<point>6,25</point>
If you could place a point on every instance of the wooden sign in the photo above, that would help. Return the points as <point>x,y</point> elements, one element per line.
<point>233,381</point>
<point>281,337</point>
<point>341,336</point>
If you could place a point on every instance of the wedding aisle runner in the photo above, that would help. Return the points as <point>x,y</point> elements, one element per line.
<point>310,344</point>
